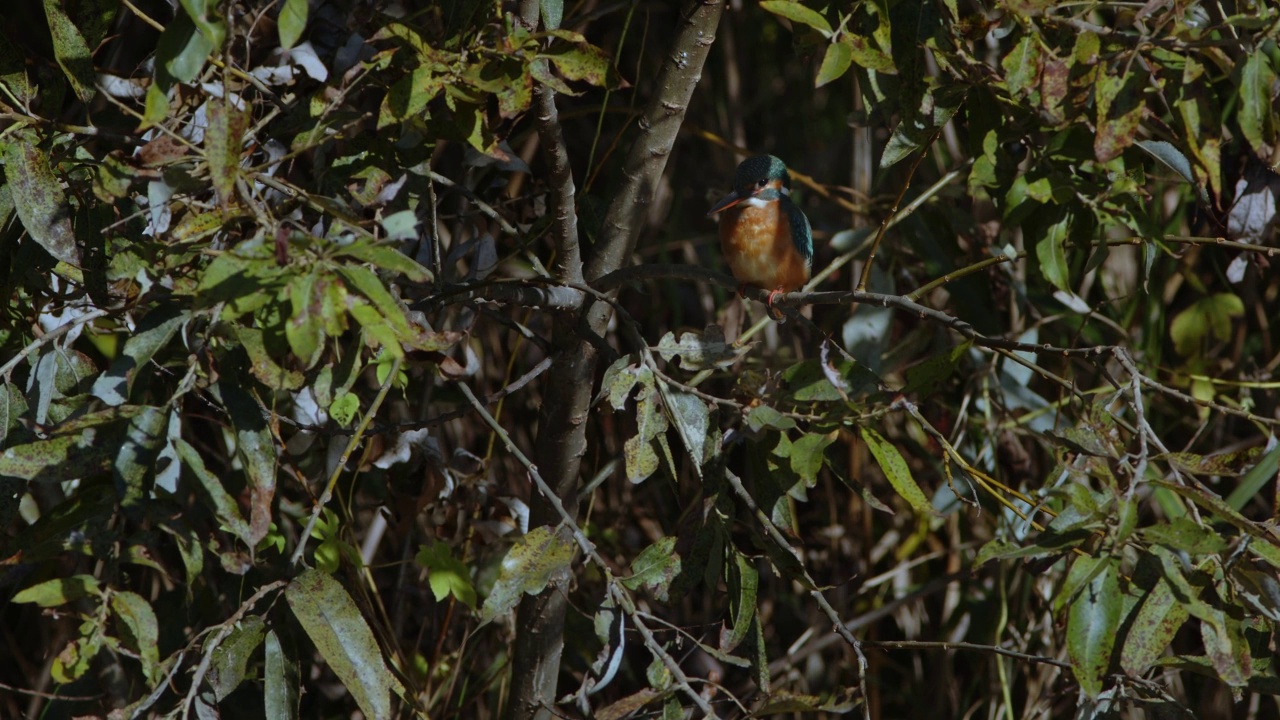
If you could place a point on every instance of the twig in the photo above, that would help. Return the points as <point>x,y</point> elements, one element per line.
<point>49,337</point>
<point>589,550</point>
<point>342,461</point>
<point>483,206</point>
<point>815,592</point>
<point>227,627</point>
<point>928,645</point>
<point>48,695</point>
<point>884,226</point>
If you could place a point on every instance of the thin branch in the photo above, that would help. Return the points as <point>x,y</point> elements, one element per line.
<point>893,211</point>
<point>814,591</point>
<point>227,627</point>
<point>927,645</point>
<point>588,549</point>
<point>49,337</point>
<point>848,297</point>
<point>341,465</point>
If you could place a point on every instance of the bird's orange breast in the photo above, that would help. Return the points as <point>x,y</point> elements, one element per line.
<point>756,240</point>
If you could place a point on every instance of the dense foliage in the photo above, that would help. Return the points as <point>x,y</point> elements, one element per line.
<point>379,358</point>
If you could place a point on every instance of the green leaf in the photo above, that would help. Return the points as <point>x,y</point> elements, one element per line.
<point>1173,159</point>
<point>763,416</point>
<point>580,61</point>
<point>699,351</point>
<point>1254,480</point>
<point>344,408</point>
<point>1051,252</point>
<point>532,562</point>
<point>1159,618</point>
<point>552,13</point>
<point>928,376</point>
<point>223,144</point>
<point>386,257</point>
<point>224,506</point>
<point>868,56</point>
<point>1228,649</point>
<point>807,456</point>
<point>1022,65</point>
<point>156,109</point>
<point>76,658</point>
<point>207,18</point>
<point>153,334</point>
<point>655,568</point>
<point>281,679</point>
<point>71,50</point>
<point>795,12</point>
<point>1209,318</point>
<point>1184,535</point>
<point>692,419</point>
<point>231,656</point>
<point>261,363</point>
<point>1120,103</point>
<point>142,630</point>
<point>256,451</point>
<point>291,24</point>
<point>1257,115</point>
<point>59,591</point>
<point>1092,621</point>
<point>408,96</point>
<point>182,49</point>
<point>791,703</point>
<point>72,455</point>
<point>38,197</point>
<point>835,63</point>
<point>135,456</point>
<point>446,574</point>
<point>919,125</point>
<point>744,582</point>
<point>368,284</point>
<point>305,328</point>
<point>895,470</point>
<point>333,622</point>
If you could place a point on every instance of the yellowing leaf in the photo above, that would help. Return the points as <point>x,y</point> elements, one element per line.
<point>895,470</point>
<point>1209,318</point>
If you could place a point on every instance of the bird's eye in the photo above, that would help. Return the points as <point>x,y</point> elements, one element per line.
<point>761,183</point>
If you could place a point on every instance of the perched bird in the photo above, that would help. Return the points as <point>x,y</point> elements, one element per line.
<point>765,238</point>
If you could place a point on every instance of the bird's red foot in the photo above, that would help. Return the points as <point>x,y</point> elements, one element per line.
<point>774,312</point>
<point>742,291</point>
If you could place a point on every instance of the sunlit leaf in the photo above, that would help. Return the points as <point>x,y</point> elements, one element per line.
<point>140,629</point>
<point>795,12</point>
<point>292,22</point>
<point>835,63</point>
<point>1092,621</point>
<point>231,657</point>
<point>1207,319</point>
<point>59,591</point>
<point>334,623</point>
<point>1257,113</point>
<point>38,197</point>
<point>655,568</point>
<point>446,574</point>
<point>71,50</point>
<point>532,562</point>
<point>895,470</point>
<point>280,679</point>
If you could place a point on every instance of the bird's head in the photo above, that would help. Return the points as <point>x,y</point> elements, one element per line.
<point>760,179</point>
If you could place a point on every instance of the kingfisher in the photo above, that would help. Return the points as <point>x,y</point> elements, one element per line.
<point>765,238</point>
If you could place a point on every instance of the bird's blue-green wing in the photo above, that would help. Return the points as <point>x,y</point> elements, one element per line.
<point>801,233</point>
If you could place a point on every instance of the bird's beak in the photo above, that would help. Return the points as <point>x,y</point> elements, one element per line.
<point>725,203</point>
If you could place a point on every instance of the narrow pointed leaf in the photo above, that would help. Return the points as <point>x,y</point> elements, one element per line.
<point>343,638</point>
